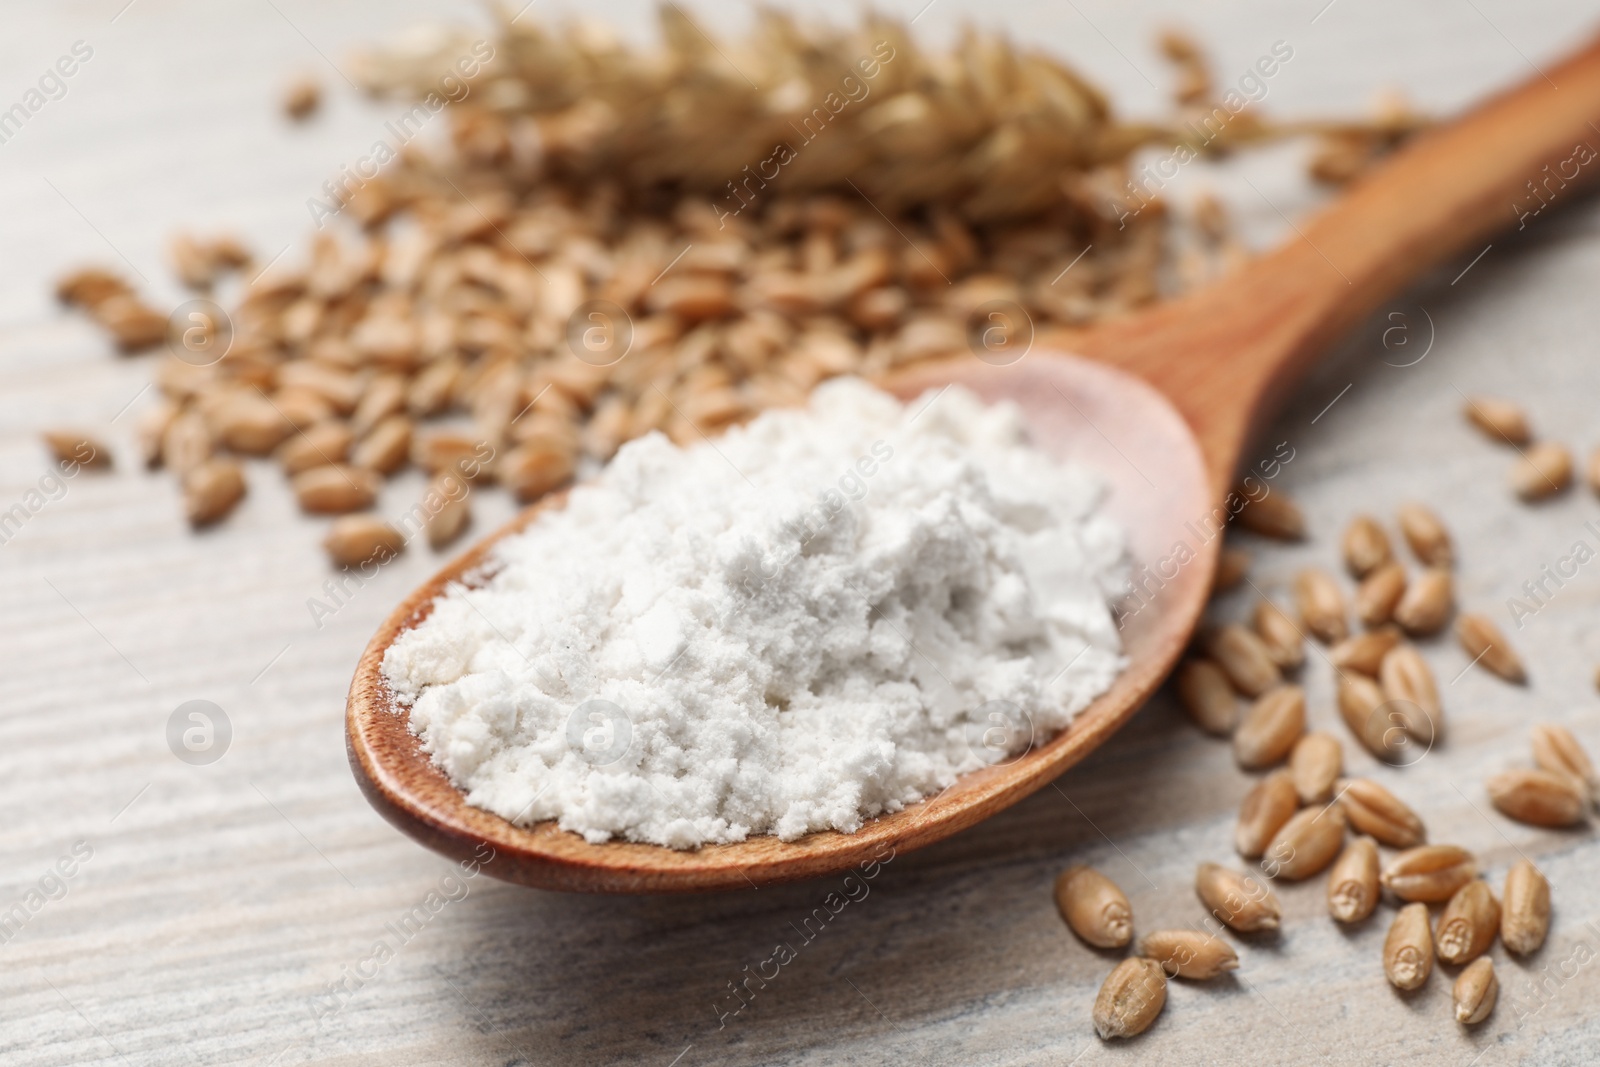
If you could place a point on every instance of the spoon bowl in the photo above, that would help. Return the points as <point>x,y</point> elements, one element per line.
<point>1157,491</point>
<point>1163,406</point>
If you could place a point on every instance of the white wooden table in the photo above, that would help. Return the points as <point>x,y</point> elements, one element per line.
<point>231,912</point>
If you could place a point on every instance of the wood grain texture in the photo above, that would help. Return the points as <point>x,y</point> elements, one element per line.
<point>223,903</point>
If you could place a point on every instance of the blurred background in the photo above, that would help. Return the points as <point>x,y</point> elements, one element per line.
<point>228,909</point>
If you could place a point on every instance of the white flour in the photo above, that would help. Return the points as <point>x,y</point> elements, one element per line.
<point>825,615</point>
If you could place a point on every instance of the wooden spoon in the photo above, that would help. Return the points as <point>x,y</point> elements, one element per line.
<point>1163,406</point>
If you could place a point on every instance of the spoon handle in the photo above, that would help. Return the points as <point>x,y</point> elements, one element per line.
<point>1227,353</point>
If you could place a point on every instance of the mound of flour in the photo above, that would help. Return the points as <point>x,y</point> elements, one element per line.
<point>824,615</point>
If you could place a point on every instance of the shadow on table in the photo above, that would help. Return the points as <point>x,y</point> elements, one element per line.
<point>756,975</point>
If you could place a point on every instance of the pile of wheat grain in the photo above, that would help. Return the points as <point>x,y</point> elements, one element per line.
<point>612,241</point>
